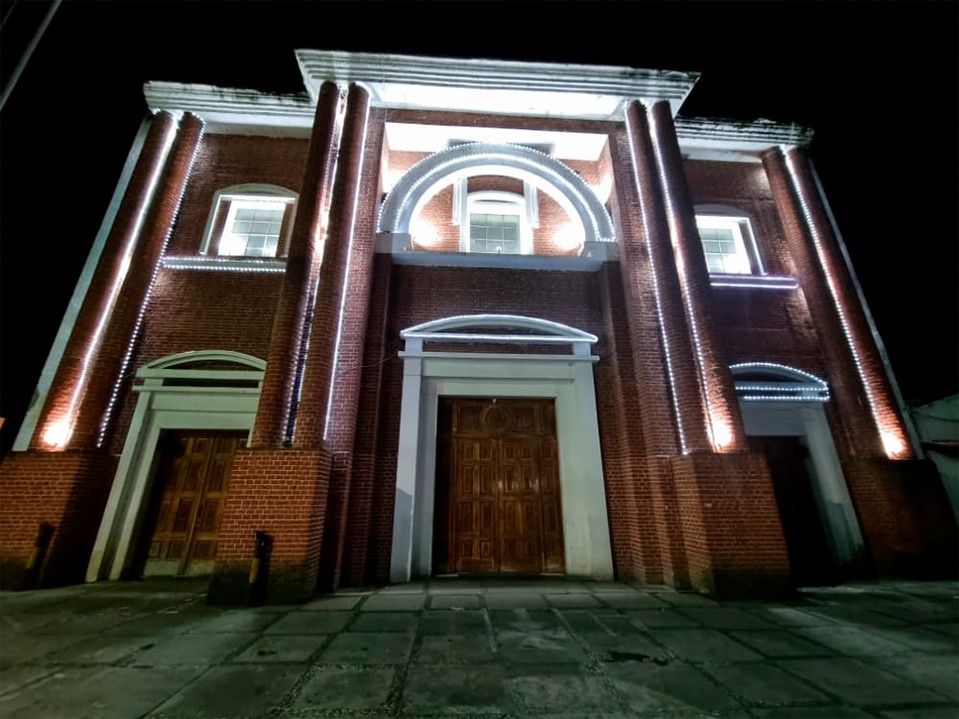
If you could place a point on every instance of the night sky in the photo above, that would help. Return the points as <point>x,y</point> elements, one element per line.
<point>877,80</point>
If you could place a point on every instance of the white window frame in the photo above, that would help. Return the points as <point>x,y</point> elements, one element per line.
<point>224,207</point>
<point>496,202</point>
<point>747,252</point>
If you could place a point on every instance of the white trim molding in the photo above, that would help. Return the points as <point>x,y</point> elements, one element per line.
<point>223,399</point>
<point>788,402</point>
<point>567,379</point>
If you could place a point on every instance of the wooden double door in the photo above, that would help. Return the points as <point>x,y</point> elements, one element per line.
<point>189,490</point>
<point>498,487</point>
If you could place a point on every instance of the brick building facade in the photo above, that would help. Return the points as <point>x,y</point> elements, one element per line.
<point>440,316</point>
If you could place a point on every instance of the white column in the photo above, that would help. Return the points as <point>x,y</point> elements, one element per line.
<point>407,456</point>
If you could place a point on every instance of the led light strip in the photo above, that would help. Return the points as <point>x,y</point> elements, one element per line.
<point>221,264</point>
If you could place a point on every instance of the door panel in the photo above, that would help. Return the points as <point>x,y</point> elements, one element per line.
<point>189,491</point>
<point>503,455</point>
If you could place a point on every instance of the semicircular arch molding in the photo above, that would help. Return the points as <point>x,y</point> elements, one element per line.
<point>546,173</point>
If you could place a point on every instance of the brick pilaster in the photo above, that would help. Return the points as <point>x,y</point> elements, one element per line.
<point>74,374</point>
<point>276,395</point>
<point>684,380</point>
<point>856,370</point>
<point>722,406</point>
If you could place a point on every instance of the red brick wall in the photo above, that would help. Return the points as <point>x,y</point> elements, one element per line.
<point>730,524</point>
<point>226,160</point>
<point>200,310</point>
<point>66,489</point>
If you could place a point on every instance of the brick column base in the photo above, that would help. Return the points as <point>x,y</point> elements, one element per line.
<point>730,525</point>
<point>905,517</point>
<point>67,490</point>
<point>282,492</point>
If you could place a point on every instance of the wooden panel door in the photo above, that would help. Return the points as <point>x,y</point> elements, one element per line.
<point>505,513</point>
<point>188,495</point>
<point>474,505</point>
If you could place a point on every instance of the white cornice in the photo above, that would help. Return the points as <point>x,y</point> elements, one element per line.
<point>715,139</point>
<point>232,110</point>
<point>495,86</point>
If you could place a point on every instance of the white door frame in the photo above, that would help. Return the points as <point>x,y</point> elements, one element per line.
<point>231,406</point>
<point>566,378</point>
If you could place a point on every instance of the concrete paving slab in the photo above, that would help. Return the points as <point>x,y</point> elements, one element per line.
<point>101,650</point>
<point>829,712</point>
<point>368,648</point>
<point>453,649</point>
<point>573,601</point>
<point>515,600</point>
<point>383,622</point>
<point>781,644</point>
<point>763,684</point>
<point>724,618</point>
<point>687,599</point>
<point>791,616</point>
<point>345,688</point>
<point>20,649</point>
<point>524,620</point>
<point>933,672</point>
<point>704,645</point>
<point>944,711</point>
<point>477,690</point>
<point>232,692</point>
<point>660,618</point>
<point>456,601</point>
<point>238,620</point>
<point>852,641</point>
<point>456,586</point>
<point>621,648</point>
<point>916,611</point>
<point>854,682</point>
<point>332,603</point>
<point>394,603</point>
<point>84,624</point>
<point>553,687</point>
<point>192,649</point>
<point>18,677</point>
<point>656,690</point>
<point>282,648</point>
<point>860,616</point>
<point>414,587</point>
<point>950,630</point>
<point>156,623</point>
<point>919,639</point>
<point>619,624</point>
<point>96,693</point>
<point>310,623</point>
<point>538,647</point>
<point>452,622</point>
<point>630,600</point>
<point>582,621</point>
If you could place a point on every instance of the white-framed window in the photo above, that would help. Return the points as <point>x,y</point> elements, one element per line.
<point>495,222</point>
<point>249,221</point>
<point>729,244</point>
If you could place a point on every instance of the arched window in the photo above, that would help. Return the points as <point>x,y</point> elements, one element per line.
<point>250,220</point>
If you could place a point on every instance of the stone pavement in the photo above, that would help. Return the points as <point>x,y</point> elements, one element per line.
<point>480,648</point>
